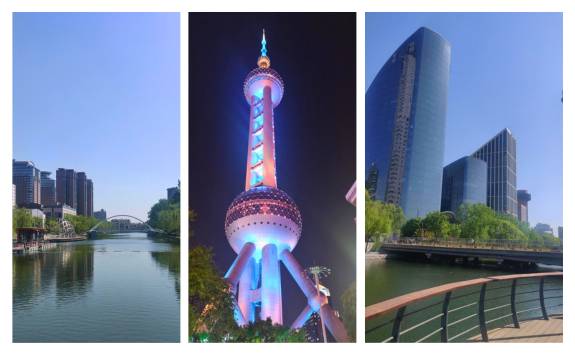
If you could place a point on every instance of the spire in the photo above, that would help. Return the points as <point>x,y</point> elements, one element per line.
<point>264,60</point>
<point>264,49</point>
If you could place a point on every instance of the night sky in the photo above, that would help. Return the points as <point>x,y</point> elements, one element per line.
<point>315,132</point>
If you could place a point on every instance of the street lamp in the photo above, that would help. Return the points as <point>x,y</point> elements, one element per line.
<point>316,272</point>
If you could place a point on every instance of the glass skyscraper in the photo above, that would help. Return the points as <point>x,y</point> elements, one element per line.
<point>26,179</point>
<point>499,154</point>
<point>464,181</point>
<point>406,107</point>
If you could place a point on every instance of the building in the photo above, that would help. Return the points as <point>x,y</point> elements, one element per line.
<point>263,224</point>
<point>48,189</point>
<point>58,211</point>
<point>543,228</point>
<point>173,192</point>
<point>464,181</point>
<point>89,198</point>
<point>406,106</point>
<point>372,179</point>
<point>523,198</point>
<point>66,189</point>
<point>101,214</point>
<point>560,232</point>
<point>81,193</point>
<point>36,211</point>
<point>499,154</point>
<point>26,178</point>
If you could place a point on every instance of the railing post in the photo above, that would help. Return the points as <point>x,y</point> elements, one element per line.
<point>513,309</point>
<point>397,324</point>
<point>481,313</point>
<point>444,317</point>
<point>542,298</point>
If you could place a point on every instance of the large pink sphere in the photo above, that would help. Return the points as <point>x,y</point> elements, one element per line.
<point>263,215</point>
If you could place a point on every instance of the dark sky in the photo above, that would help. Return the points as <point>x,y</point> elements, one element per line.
<point>314,132</point>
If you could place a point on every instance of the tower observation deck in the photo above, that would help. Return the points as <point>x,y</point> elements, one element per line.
<point>263,224</point>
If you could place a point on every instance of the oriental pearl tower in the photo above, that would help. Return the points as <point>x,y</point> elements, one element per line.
<point>263,224</point>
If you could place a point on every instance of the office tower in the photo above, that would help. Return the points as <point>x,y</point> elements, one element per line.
<point>26,178</point>
<point>89,198</point>
<point>81,193</point>
<point>263,224</point>
<point>560,232</point>
<point>406,107</point>
<point>523,198</point>
<point>499,154</point>
<point>464,181</point>
<point>172,192</point>
<point>48,186</point>
<point>66,187</point>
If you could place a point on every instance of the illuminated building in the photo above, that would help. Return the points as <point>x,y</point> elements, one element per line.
<point>263,224</point>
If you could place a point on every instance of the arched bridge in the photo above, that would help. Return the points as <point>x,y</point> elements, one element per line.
<point>150,228</point>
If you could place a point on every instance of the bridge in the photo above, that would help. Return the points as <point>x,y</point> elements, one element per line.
<point>149,228</point>
<point>507,308</point>
<point>499,250</point>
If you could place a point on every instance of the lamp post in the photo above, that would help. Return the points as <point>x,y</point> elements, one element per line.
<point>316,272</point>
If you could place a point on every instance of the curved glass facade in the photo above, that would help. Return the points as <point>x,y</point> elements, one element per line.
<point>406,107</point>
<point>464,181</point>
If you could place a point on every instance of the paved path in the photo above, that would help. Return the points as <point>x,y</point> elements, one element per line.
<point>533,331</point>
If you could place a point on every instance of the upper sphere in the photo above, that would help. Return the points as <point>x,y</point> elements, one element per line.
<point>263,215</point>
<point>258,78</point>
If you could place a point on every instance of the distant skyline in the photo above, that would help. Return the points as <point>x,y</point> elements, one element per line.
<point>506,71</point>
<point>99,93</point>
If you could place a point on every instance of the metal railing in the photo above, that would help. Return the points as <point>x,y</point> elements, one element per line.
<point>494,244</point>
<point>460,310</point>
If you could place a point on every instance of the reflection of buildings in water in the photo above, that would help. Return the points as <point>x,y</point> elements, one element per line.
<point>169,260</point>
<point>66,271</point>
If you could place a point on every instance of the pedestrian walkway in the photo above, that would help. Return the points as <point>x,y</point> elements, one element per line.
<point>533,331</point>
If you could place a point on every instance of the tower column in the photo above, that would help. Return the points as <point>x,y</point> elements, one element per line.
<point>269,145</point>
<point>271,293</point>
<point>245,291</point>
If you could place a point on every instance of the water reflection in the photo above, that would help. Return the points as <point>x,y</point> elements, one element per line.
<point>122,288</point>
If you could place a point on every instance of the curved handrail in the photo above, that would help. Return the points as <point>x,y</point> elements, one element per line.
<point>390,305</point>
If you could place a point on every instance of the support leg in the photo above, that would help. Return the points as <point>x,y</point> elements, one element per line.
<point>302,318</point>
<point>271,290</point>
<point>237,268</point>
<point>334,324</point>
<point>245,292</point>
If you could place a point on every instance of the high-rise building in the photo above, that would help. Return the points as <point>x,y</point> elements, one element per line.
<point>81,193</point>
<point>372,178</point>
<point>89,198</point>
<point>560,232</point>
<point>499,154</point>
<point>101,214</point>
<point>523,198</point>
<point>26,178</point>
<point>406,106</point>
<point>263,224</point>
<point>66,189</point>
<point>48,186</point>
<point>464,181</point>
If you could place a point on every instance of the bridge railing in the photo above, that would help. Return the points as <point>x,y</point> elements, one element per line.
<point>457,311</point>
<point>498,244</point>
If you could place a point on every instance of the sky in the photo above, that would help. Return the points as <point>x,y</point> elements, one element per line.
<point>99,92</point>
<point>506,71</point>
<point>314,133</point>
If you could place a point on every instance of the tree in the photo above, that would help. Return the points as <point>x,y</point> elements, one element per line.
<point>348,300</point>
<point>263,331</point>
<point>211,312</point>
<point>410,228</point>
<point>476,221</point>
<point>437,224</point>
<point>381,218</point>
<point>52,226</point>
<point>22,218</point>
<point>82,224</point>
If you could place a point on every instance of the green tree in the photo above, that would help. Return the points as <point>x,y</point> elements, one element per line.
<point>52,226</point>
<point>82,224</point>
<point>437,224</point>
<point>381,218</point>
<point>264,331</point>
<point>476,221</point>
<point>22,218</point>
<point>411,227</point>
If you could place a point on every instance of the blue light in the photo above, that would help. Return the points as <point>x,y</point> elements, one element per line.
<point>264,49</point>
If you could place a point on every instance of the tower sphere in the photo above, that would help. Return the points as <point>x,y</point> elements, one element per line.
<point>261,77</point>
<point>263,215</point>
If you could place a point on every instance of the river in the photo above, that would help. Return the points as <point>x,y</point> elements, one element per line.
<point>392,277</point>
<point>119,288</point>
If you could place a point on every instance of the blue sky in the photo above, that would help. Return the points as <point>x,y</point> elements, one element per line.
<point>506,71</point>
<point>99,92</point>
